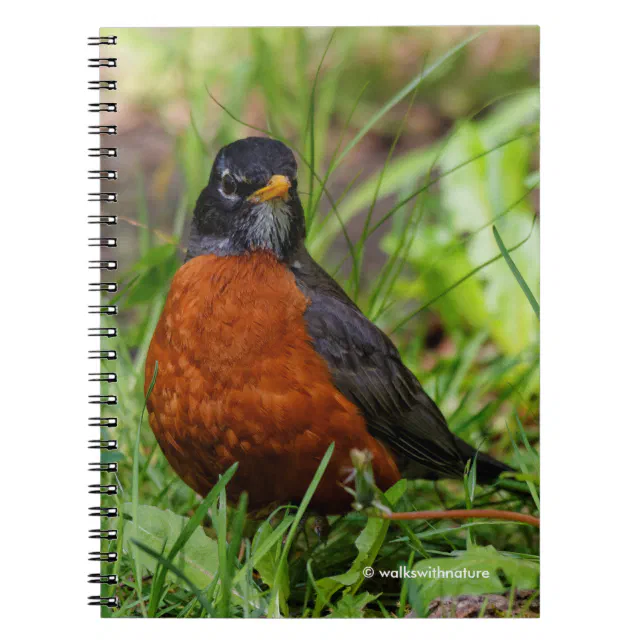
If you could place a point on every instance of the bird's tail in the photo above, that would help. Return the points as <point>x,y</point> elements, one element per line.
<point>488,469</point>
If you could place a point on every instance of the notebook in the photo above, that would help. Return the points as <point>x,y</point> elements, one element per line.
<point>316,349</point>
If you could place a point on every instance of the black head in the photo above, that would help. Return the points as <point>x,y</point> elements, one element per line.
<point>250,202</point>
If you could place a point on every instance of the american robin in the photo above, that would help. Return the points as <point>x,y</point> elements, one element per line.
<point>264,360</point>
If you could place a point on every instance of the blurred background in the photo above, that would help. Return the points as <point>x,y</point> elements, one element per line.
<point>418,153</point>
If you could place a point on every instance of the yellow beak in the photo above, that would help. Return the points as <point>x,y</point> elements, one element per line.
<point>278,186</point>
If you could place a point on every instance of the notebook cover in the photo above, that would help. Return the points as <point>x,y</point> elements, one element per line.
<point>317,257</point>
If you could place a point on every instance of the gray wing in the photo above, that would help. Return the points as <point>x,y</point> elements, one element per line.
<point>366,367</point>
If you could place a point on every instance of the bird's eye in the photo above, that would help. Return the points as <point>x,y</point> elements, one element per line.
<point>228,185</point>
<point>294,184</point>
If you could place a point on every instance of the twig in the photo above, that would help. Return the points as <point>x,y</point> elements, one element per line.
<point>505,515</point>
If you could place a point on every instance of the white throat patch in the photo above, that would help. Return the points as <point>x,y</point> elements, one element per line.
<point>271,226</point>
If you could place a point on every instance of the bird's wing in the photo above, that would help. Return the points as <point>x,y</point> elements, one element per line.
<point>367,368</point>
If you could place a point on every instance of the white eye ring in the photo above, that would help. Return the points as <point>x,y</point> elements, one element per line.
<point>228,185</point>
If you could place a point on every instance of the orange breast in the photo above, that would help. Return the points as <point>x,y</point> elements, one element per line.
<point>239,380</point>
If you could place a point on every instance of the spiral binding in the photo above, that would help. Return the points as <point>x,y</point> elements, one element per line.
<point>103,152</point>
<point>105,243</point>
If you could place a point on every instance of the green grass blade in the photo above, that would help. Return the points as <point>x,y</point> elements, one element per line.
<point>524,437</point>
<point>404,591</point>
<point>517,274</point>
<point>389,274</point>
<point>311,128</point>
<point>236,536</point>
<point>367,224</point>
<point>524,468</point>
<point>272,605</point>
<point>152,318</point>
<point>402,93</point>
<point>135,483</point>
<point>143,212</point>
<point>336,151</point>
<point>223,605</point>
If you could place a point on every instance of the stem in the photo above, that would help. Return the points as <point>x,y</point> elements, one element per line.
<point>505,515</point>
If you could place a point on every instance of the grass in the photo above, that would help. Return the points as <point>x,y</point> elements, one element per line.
<point>460,243</point>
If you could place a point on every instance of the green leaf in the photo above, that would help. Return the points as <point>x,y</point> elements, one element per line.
<point>352,607</point>
<point>160,529</point>
<point>150,275</point>
<point>476,571</point>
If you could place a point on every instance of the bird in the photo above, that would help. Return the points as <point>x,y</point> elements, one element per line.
<point>262,359</point>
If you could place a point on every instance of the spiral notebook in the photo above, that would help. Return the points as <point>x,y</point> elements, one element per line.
<point>317,287</point>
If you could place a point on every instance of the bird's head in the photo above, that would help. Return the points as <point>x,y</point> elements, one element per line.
<point>250,202</point>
